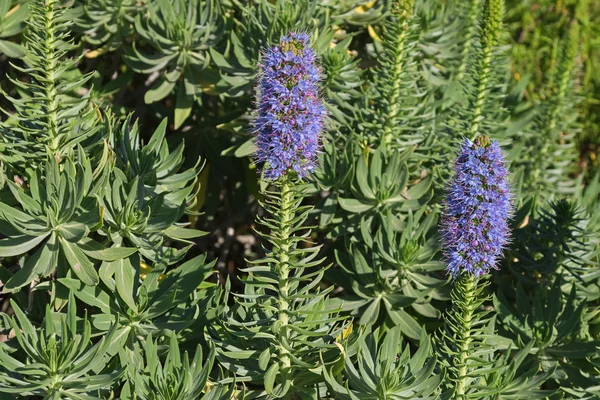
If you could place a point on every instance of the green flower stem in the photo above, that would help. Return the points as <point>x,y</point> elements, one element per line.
<point>286,208</point>
<point>469,35</point>
<point>486,67</point>
<point>404,15</point>
<point>490,33</point>
<point>564,75</point>
<point>466,305</point>
<point>50,77</point>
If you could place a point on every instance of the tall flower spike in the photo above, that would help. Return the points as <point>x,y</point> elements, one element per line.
<point>475,223</point>
<point>290,111</point>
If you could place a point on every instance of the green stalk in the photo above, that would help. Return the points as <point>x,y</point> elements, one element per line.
<point>466,304</point>
<point>50,78</point>
<point>395,92</point>
<point>469,34</point>
<point>556,102</point>
<point>286,208</point>
<point>491,29</point>
<point>486,66</point>
<point>403,13</point>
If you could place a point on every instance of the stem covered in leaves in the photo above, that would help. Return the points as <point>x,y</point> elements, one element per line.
<point>283,256</point>
<point>465,306</point>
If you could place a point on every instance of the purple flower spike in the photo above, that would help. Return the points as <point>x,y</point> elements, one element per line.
<point>478,206</point>
<point>290,111</point>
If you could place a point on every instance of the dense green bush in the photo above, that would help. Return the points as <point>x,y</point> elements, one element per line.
<point>145,253</point>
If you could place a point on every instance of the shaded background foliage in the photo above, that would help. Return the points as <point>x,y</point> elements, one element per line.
<point>129,195</point>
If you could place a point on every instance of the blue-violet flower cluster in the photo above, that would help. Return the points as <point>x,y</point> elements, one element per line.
<point>478,206</point>
<point>290,111</point>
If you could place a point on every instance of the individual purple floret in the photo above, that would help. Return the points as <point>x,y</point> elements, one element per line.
<point>478,206</point>
<point>290,111</point>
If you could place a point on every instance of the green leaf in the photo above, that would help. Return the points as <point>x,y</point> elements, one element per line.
<point>14,23</point>
<point>11,49</point>
<point>375,167</point>
<point>418,190</point>
<point>270,377</point>
<point>183,106</point>
<point>156,141</point>
<point>160,89</point>
<point>219,60</point>
<point>42,263</point>
<point>14,246</point>
<point>355,205</point>
<point>176,232</point>
<point>24,323</point>
<point>73,232</point>
<point>574,350</point>
<point>397,300</point>
<point>263,360</point>
<point>125,277</point>
<point>91,295</point>
<point>370,315</point>
<point>80,264</point>
<point>362,177</point>
<point>406,322</point>
<point>4,7</point>
<point>247,148</point>
<point>97,252</point>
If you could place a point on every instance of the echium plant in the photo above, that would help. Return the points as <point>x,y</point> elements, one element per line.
<point>177,378</point>
<point>550,167</point>
<point>480,75</point>
<point>106,24</point>
<point>181,32</point>
<point>51,118</point>
<point>110,288</point>
<point>391,373</point>
<point>474,231</point>
<point>281,332</point>
<point>56,217</point>
<point>59,361</point>
<point>399,95</point>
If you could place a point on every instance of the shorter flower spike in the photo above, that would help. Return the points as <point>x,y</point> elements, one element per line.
<point>290,111</point>
<point>478,205</point>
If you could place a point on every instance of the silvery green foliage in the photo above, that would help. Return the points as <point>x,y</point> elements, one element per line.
<point>558,240</point>
<point>55,216</point>
<point>177,378</point>
<point>12,17</point>
<point>58,360</point>
<point>182,32</point>
<point>129,195</point>
<point>556,128</point>
<point>386,369</point>
<point>394,271</point>
<point>91,213</point>
<point>106,23</point>
<point>49,118</point>
<point>282,332</point>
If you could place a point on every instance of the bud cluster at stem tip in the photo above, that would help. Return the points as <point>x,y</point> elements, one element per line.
<point>475,223</point>
<point>290,110</point>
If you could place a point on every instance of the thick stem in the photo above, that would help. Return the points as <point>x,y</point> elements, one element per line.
<point>469,35</point>
<point>50,78</point>
<point>486,66</point>
<point>465,306</point>
<point>394,97</point>
<point>283,257</point>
